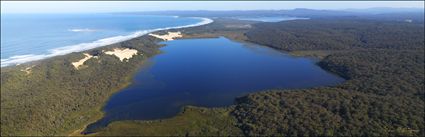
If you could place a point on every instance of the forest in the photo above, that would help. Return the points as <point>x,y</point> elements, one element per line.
<point>382,61</point>
<point>338,34</point>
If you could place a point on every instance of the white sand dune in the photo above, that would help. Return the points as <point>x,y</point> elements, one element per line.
<point>169,36</point>
<point>28,70</point>
<point>81,62</point>
<point>122,53</point>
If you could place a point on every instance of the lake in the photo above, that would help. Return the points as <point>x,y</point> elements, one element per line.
<point>209,73</point>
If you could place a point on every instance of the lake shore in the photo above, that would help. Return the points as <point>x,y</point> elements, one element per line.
<point>87,59</point>
<point>126,54</point>
<point>106,65</point>
<point>226,28</point>
<point>229,29</point>
<point>173,34</point>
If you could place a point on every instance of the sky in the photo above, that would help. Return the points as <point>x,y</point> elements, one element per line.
<point>134,6</point>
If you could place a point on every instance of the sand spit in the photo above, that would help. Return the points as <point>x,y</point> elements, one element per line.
<point>169,36</point>
<point>81,62</point>
<point>122,53</point>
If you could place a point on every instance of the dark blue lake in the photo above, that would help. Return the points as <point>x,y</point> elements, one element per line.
<point>209,73</point>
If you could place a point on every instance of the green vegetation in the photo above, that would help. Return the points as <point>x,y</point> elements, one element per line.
<point>338,34</point>
<point>381,72</point>
<point>320,54</point>
<point>328,112</point>
<point>383,62</point>
<point>55,98</point>
<point>192,121</point>
<point>230,28</point>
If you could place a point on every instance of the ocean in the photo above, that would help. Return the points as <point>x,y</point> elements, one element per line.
<point>30,37</point>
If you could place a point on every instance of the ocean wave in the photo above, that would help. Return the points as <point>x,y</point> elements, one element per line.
<point>82,30</point>
<point>19,59</point>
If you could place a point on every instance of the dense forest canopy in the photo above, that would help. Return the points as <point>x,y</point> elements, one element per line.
<point>383,62</point>
<point>328,112</point>
<point>382,72</point>
<point>338,34</point>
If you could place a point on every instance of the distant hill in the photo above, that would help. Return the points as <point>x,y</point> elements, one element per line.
<point>382,10</point>
<point>389,14</point>
<point>250,13</point>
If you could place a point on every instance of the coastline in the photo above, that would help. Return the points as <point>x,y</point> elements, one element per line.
<point>95,113</point>
<point>69,129</point>
<point>22,59</point>
<point>189,31</point>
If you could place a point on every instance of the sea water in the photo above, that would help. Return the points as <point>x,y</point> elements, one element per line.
<point>29,37</point>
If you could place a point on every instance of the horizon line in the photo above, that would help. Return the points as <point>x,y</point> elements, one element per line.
<point>218,10</point>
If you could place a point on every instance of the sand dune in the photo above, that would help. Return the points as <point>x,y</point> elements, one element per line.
<point>169,36</point>
<point>28,69</point>
<point>122,53</point>
<point>81,62</point>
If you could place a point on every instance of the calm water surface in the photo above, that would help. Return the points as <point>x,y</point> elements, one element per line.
<point>209,73</point>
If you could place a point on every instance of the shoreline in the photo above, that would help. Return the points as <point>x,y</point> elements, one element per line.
<point>79,131</point>
<point>129,81</point>
<point>28,58</point>
<point>95,114</point>
<point>98,112</point>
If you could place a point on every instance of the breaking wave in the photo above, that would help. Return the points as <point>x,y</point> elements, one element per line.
<point>82,30</point>
<point>90,45</point>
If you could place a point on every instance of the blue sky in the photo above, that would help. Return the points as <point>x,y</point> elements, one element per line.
<point>131,6</point>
